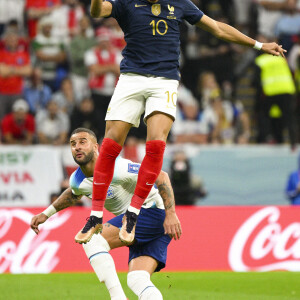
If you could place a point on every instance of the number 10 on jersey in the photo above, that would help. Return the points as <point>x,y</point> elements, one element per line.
<point>156,29</point>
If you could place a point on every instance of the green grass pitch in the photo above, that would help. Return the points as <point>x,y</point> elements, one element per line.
<point>173,285</point>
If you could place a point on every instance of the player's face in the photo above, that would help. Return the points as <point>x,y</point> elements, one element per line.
<point>83,148</point>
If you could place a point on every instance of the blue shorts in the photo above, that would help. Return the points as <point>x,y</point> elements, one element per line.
<point>149,236</point>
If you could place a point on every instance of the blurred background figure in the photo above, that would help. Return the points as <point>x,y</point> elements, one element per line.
<point>50,54</point>
<point>35,10</point>
<point>52,125</point>
<point>36,93</point>
<point>276,100</point>
<point>18,127</point>
<point>80,43</point>
<point>292,189</point>
<point>269,13</point>
<point>187,187</point>
<point>192,125</point>
<point>14,26</point>
<point>11,10</point>
<point>15,66</point>
<point>67,20</point>
<point>84,115</point>
<point>66,98</point>
<point>103,63</point>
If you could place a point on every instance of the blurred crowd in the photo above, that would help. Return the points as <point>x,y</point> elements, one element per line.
<point>59,67</point>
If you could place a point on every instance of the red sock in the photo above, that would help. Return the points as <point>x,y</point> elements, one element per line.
<point>104,171</point>
<point>149,171</point>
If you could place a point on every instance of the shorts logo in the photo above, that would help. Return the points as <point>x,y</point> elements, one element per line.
<point>133,168</point>
<point>155,9</point>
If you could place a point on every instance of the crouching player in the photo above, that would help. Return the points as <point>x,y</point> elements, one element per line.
<point>157,221</point>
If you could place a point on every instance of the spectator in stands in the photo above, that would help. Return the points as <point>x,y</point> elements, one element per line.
<point>191,125</point>
<point>275,99</point>
<point>84,115</point>
<point>292,189</point>
<point>52,125</point>
<point>35,10</point>
<point>187,187</point>
<point>14,67</point>
<point>18,127</point>
<point>36,93</point>
<point>288,25</point>
<point>78,46</point>
<point>230,123</point>
<point>67,18</point>
<point>117,34</point>
<point>103,64</point>
<point>50,53</point>
<point>207,87</point>
<point>66,98</point>
<point>268,14</point>
<point>23,43</point>
<point>11,10</point>
<point>243,15</point>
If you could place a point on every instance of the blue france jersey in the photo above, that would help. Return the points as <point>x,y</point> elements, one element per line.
<point>152,34</point>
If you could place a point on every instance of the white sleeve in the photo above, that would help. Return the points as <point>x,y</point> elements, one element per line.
<point>90,58</point>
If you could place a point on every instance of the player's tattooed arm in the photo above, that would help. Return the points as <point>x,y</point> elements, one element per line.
<point>165,190</point>
<point>171,224</point>
<point>66,199</point>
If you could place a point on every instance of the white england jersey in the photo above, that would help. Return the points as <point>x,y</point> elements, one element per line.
<point>121,189</point>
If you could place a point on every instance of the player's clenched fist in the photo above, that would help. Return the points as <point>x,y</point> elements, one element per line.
<point>36,221</point>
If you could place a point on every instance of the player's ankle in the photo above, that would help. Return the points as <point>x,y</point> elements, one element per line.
<point>98,214</point>
<point>133,210</point>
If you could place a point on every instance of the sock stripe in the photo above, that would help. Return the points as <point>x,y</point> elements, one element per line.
<point>96,254</point>
<point>149,286</point>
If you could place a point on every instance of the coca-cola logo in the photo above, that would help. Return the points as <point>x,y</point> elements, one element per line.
<point>262,243</point>
<point>30,253</point>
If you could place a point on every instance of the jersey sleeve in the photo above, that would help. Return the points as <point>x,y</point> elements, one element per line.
<point>117,8</point>
<point>74,184</point>
<point>192,13</point>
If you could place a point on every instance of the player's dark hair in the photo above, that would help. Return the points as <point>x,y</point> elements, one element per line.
<point>81,129</point>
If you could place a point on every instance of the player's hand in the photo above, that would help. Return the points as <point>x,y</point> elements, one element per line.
<point>172,225</point>
<point>274,49</point>
<point>36,221</point>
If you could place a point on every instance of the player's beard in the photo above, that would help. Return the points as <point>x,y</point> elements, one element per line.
<point>87,158</point>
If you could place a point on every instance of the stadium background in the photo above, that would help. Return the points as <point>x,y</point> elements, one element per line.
<point>243,219</point>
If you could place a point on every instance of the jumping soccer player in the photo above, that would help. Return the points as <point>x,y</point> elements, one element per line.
<point>154,230</point>
<point>148,82</point>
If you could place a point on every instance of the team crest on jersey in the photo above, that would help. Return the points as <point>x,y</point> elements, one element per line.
<point>171,9</point>
<point>155,9</point>
<point>110,193</point>
<point>133,168</point>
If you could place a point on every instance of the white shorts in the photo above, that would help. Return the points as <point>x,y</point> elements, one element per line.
<point>136,94</point>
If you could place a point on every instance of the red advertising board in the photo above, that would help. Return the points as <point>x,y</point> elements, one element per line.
<point>214,238</point>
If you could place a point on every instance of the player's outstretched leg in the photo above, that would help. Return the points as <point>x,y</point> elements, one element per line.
<point>103,174</point>
<point>148,173</point>
<point>139,282</point>
<point>92,226</point>
<point>97,250</point>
